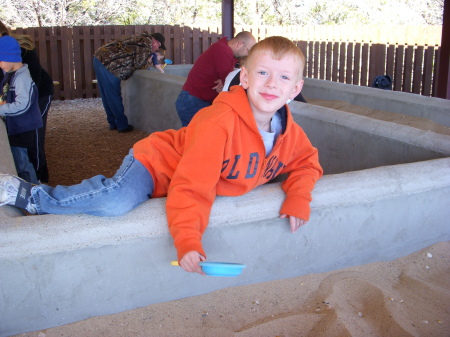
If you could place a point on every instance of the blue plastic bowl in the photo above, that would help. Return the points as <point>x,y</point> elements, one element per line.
<point>222,268</point>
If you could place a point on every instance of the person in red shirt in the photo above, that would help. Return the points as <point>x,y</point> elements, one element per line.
<point>246,138</point>
<point>207,76</point>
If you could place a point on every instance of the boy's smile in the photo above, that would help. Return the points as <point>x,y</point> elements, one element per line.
<point>270,83</point>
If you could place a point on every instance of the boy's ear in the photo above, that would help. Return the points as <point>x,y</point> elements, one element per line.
<point>298,87</point>
<point>244,77</point>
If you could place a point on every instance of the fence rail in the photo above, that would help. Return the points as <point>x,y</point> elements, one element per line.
<point>66,53</point>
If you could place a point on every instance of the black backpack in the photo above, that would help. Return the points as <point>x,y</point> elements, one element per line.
<point>382,82</point>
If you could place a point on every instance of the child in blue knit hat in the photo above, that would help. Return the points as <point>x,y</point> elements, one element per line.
<point>19,107</point>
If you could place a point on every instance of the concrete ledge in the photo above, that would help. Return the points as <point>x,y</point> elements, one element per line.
<point>59,269</point>
<point>149,100</point>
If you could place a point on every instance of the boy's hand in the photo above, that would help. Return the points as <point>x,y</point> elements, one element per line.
<point>295,223</point>
<point>189,262</point>
<point>219,85</point>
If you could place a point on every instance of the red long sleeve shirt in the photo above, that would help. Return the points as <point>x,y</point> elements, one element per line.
<point>215,63</point>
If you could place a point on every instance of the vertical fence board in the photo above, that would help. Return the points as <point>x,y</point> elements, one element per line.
<point>377,61</point>
<point>407,73</point>
<point>193,50</point>
<point>310,59</point>
<point>364,63</point>
<point>77,54</point>
<point>205,43</point>
<point>342,61</point>
<point>67,71</point>
<point>398,72</point>
<point>108,35</point>
<point>316,59</point>
<point>54,58</point>
<point>357,64</point>
<point>437,58</point>
<point>329,56</point>
<point>349,65</point>
<point>323,47</point>
<point>418,73</point>
<point>167,31</point>
<point>427,71</point>
<point>42,46</point>
<point>334,76</point>
<point>390,60</point>
<point>178,55</point>
<point>88,51</point>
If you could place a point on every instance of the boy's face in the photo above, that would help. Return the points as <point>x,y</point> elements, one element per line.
<point>270,83</point>
<point>7,66</point>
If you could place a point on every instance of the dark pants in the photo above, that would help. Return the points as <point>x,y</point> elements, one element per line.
<point>187,106</point>
<point>36,153</point>
<point>111,94</point>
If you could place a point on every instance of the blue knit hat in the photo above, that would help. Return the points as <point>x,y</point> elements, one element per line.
<point>9,49</point>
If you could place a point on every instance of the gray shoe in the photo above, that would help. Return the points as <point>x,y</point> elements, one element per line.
<point>16,192</point>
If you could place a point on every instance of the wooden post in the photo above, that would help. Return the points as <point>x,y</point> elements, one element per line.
<point>443,82</point>
<point>228,18</point>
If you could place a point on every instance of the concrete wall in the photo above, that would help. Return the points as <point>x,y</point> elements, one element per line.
<point>58,269</point>
<point>350,142</point>
<point>436,109</point>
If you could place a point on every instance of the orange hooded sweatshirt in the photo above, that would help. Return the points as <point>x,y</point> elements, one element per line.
<point>221,152</point>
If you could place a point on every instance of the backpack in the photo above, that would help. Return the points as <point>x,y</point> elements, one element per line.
<point>382,82</point>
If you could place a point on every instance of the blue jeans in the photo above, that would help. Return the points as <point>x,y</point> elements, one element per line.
<point>131,185</point>
<point>111,94</point>
<point>188,105</point>
<point>24,167</point>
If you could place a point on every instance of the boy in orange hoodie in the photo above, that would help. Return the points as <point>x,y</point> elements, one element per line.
<point>245,139</point>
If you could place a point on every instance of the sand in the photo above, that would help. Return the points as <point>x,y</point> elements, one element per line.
<point>409,296</point>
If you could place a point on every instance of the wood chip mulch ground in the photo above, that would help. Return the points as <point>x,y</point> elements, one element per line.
<point>79,143</point>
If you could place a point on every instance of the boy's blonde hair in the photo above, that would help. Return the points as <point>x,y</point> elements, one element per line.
<point>278,47</point>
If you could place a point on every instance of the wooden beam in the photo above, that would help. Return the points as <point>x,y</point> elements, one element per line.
<point>443,84</point>
<point>228,18</point>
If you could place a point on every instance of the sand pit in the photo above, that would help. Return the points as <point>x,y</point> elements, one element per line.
<point>409,296</point>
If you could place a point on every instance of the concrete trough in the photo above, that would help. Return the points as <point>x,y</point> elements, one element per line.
<point>385,195</point>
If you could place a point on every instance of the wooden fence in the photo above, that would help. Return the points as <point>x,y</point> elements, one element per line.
<point>66,53</point>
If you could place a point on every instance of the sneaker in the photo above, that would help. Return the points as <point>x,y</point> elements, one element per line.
<point>128,129</point>
<point>16,192</point>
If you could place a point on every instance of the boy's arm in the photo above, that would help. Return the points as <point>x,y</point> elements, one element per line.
<point>24,93</point>
<point>294,222</point>
<point>304,170</point>
<point>159,67</point>
<point>190,262</point>
<point>192,190</point>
